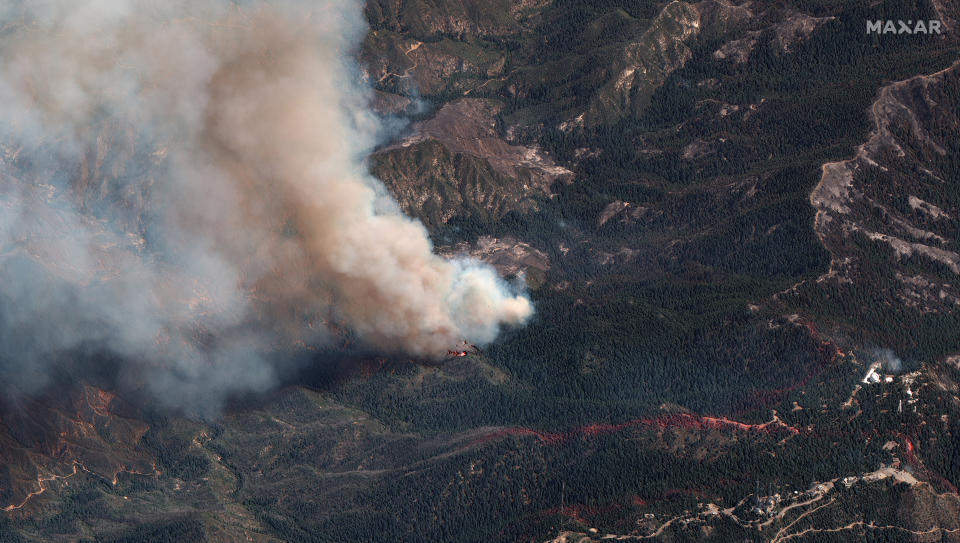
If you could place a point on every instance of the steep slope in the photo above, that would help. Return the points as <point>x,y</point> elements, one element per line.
<point>888,217</point>
<point>893,194</point>
<point>644,65</point>
<point>713,275</point>
<point>457,163</point>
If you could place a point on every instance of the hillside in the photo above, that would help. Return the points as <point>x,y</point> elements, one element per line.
<point>738,224</point>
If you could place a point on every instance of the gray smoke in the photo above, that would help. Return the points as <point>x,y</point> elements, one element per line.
<point>183,184</point>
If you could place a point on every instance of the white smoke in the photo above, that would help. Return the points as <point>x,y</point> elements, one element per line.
<point>889,360</point>
<point>183,184</point>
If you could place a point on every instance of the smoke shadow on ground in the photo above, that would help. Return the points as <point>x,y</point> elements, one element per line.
<point>325,370</point>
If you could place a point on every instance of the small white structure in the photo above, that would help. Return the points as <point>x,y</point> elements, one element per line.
<point>872,377</point>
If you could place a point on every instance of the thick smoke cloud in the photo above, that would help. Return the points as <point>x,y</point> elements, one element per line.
<point>182,184</point>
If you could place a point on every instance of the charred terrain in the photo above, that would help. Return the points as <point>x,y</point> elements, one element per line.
<point>739,225</point>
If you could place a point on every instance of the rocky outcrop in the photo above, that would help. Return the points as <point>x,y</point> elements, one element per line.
<point>469,126</point>
<point>409,66</point>
<point>457,163</point>
<point>719,17</point>
<point>73,433</point>
<point>795,28</point>
<point>454,18</point>
<point>625,212</point>
<point>737,51</point>
<point>892,205</point>
<point>645,64</point>
<point>790,29</point>
<point>508,255</point>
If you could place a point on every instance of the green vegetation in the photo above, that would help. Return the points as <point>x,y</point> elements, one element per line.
<point>676,305</point>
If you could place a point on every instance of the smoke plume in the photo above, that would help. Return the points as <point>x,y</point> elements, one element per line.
<point>888,359</point>
<point>183,185</point>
